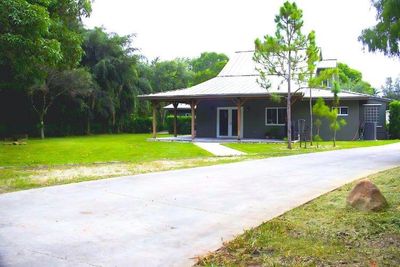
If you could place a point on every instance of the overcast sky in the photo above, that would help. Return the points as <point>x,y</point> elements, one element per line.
<point>185,28</point>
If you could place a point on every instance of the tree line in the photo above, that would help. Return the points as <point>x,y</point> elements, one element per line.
<point>58,78</point>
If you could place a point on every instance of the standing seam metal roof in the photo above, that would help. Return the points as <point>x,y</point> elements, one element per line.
<point>239,79</point>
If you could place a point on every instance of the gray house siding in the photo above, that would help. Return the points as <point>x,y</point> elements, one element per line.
<point>348,132</point>
<point>381,130</point>
<point>254,119</point>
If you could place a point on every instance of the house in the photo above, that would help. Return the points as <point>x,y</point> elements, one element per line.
<point>235,105</point>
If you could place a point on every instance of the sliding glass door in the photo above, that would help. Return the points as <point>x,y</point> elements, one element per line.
<point>227,122</point>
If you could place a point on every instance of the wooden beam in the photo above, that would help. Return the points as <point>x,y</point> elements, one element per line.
<point>154,104</point>
<point>192,106</point>
<point>175,104</point>
<point>239,118</point>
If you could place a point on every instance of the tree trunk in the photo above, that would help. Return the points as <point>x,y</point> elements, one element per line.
<point>88,130</point>
<point>41,128</point>
<point>92,100</point>
<point>175,119</point>
<point>154,120</point>
<point>311,120</point>
<point>334,136</point>
<point>289,108</point>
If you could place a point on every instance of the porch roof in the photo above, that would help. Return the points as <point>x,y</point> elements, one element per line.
<point>238,79</point>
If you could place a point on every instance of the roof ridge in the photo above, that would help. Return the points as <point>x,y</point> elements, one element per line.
<point>244,51</point>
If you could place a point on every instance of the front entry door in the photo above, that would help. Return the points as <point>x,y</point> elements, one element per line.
<point>227,122</point>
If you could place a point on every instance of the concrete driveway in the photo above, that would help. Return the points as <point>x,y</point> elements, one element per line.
<point>165,219</point>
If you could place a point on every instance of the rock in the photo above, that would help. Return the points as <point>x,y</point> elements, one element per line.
<point>366,196</point>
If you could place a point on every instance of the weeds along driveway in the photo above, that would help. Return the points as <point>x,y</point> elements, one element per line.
<point>167,218</point>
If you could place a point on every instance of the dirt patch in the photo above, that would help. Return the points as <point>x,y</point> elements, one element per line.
<point>104,170</point>
<point>65,173</point>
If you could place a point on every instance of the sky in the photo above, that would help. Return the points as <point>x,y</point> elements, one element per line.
<point>185,28</point>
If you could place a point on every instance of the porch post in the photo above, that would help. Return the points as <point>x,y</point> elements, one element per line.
<point>175,104</point>
<point>154,104</point>
<point>192,105</point>
<point>239,117</point>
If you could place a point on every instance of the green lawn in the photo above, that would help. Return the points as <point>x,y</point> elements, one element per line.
<point>275,150</point>
<point>99,148</point>
<point>71,159</point>
<point>323,232</point>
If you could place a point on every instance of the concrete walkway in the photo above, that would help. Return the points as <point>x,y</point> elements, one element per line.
<point>166,218</point>
<point>219,150</point>
<point>188,139</point>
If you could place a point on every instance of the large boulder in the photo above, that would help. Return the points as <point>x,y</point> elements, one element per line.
<point>366,196</point>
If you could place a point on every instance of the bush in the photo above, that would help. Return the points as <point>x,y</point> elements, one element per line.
<point>183,124</point>
<point>275,132</point>
<point>141,125</point>
<point>394,119</point>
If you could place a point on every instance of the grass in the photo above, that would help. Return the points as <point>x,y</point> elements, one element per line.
<point>73,159</point>
<point>323,232</point>
<point>20,178</point>
<point>280,149</point>
<point>99,148</point>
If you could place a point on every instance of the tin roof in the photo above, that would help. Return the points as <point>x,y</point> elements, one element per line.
<point>327,64</point>
<point>181,106</point>
<point>239,79</point>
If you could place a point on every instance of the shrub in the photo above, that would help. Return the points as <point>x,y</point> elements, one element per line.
<point>3,130</point>
<point>394,119</point>
<point>183,124</point>
<point>274,132</point>
<point>141,125</point>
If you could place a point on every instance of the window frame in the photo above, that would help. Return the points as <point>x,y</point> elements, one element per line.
<point>340,111</point>
<point>277,116</point>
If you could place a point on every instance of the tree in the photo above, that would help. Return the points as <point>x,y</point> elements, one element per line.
<point>335,123</point>
<point>25,42</point>
<point>347,74</point>
<point>114,67</point>
<point>385,35</point>
<point>36,36</point>
<point>43,95</point>
<point>146,74</point>
<point>320,110</point>
<point>39,40</point>
<point>313,56</point>
<point>391,89</point>
<point>352,80</point>
<point>207,66</point>
<point>285,54</point>
<point>394,119</point>
<point>171,74</point>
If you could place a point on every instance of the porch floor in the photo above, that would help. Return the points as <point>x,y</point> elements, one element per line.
<point>188,138</point>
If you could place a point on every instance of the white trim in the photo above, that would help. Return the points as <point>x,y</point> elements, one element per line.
<point>230,134</point>
<point>266,117</point>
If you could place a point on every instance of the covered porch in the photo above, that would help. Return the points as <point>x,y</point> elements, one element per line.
<point>230,119</point>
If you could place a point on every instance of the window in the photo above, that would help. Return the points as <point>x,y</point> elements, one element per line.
<point>327,83</point>
<point>343,111</point>
<point>275,116</point>
<point>371,114</point>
